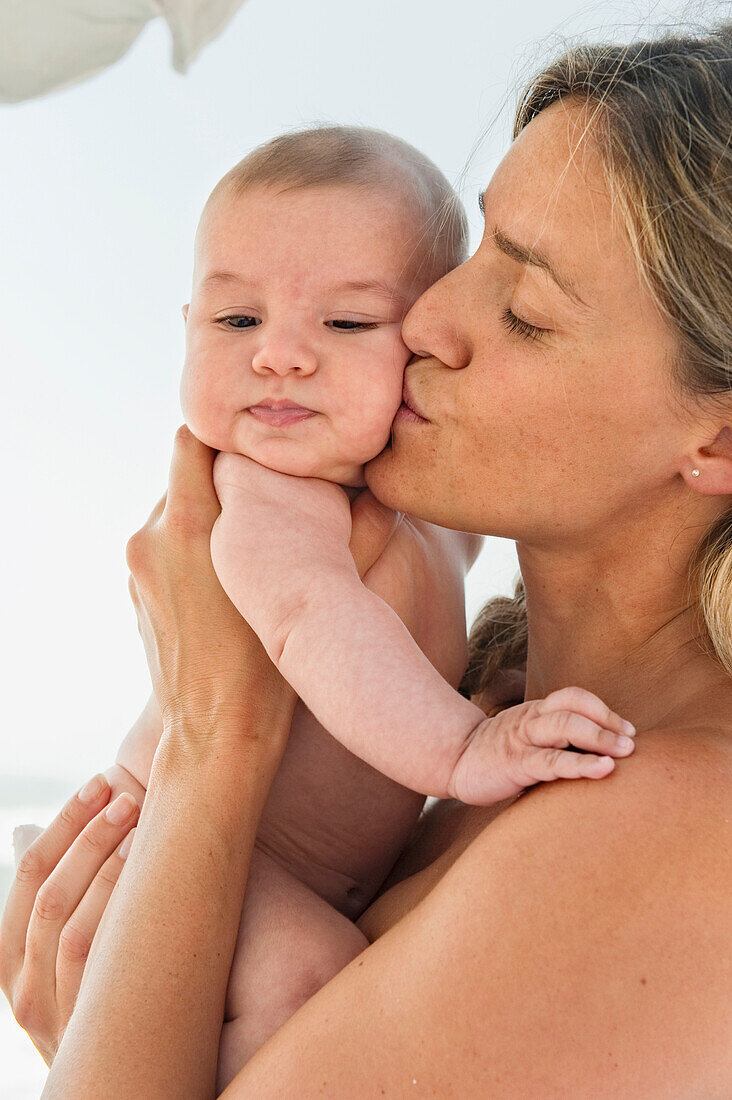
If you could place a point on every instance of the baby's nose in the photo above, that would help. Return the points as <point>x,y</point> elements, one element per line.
<point>284,357</point>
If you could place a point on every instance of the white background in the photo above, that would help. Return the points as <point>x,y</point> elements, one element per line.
<point>102,185</point>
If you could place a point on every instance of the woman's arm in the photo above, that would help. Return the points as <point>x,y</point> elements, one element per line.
<point>150,1008</point>
<point>65,879</point>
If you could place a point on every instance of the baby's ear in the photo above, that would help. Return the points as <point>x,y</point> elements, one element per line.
<point>184,311</point>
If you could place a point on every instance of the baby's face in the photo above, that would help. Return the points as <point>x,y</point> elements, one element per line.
<point>297,303</point>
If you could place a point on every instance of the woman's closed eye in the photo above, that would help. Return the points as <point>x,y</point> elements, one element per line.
<point>521,327</point>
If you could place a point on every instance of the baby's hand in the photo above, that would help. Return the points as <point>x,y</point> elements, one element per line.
<point>274,534</point>
<point>526,744</point>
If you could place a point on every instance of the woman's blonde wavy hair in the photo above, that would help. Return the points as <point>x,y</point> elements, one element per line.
<point>661,114</point>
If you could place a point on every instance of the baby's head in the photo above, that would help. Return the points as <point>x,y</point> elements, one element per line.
<point>308,255</point>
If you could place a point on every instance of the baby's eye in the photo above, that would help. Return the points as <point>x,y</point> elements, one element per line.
<point>248,322</point>
<point>351,326</point>
<point>523,328</point>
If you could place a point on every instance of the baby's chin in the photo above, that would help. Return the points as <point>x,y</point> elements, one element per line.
<point>288,457</point>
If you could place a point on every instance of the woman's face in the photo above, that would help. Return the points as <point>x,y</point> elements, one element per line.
<point>543,364</point>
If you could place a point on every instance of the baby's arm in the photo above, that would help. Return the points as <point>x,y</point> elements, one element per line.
<point>386,703</point>
<point>280,549</point>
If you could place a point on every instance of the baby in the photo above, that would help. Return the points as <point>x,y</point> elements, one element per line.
<point>307,257</point>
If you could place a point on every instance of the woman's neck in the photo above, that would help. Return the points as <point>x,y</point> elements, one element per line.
<point>616,620</point>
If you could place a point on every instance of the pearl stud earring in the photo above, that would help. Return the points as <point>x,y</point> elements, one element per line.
<point>695,473</point>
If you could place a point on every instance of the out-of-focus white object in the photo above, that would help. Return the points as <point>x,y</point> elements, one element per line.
<point>23,837</point>
<point>46,45</point>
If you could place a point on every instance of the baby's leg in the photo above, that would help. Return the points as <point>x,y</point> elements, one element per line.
<point>290,943</point>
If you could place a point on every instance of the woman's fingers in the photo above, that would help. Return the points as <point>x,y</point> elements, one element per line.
<point>158,509</point>
<point>190,486</point>
<point>585,703</point>
<point>79,931</point>
<point>64,888</point>
<point>37,863</point>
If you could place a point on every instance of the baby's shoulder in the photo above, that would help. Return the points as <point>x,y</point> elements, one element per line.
<point>432,549</point>
<point>421,575</point>
<point>423,559</point>
<point>462,547</point>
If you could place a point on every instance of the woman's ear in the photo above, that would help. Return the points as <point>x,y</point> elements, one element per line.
<point>709,468</point>
<point>184,311</point>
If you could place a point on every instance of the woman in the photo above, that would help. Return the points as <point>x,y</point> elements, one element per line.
<point>576,377</point>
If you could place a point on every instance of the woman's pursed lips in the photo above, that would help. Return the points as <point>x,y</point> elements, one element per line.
<point>408,402</point>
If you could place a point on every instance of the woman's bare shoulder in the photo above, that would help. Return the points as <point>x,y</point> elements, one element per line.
<point>670,799</point>
<point>576,946</point>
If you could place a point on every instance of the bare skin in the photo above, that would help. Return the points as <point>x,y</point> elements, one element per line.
<point>574,942</point>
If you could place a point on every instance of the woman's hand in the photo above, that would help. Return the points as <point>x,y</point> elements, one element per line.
<point>206,663</point>
<point>60,891</point>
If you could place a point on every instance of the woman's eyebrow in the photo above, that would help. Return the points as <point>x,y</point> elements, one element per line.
<point>535,258</point>
<point>532,256</point>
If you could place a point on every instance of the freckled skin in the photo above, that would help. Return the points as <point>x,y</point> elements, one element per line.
<point>563,433</point>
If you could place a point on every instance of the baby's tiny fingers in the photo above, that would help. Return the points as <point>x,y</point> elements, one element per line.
<point>79,931</point>
<point>551,764</point>
<point>562,728</point>
<point>573,729</point>
<point>585,703</point>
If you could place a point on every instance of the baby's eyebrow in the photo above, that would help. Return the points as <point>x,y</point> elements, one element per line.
<point>221,277</point>
<point>373,286</point>
<point>364,286</point>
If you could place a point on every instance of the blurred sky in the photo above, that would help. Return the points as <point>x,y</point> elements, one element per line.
<point>102,185</point>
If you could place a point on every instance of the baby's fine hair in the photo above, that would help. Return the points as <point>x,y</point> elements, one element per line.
<point>361,157</point>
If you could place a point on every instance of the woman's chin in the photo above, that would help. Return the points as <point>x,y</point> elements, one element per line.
<point>385,480</point>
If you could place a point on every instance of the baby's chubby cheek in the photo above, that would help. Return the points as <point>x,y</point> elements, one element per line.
<point>366,425</point>
<point>369,437</point>
<point>203,410</point>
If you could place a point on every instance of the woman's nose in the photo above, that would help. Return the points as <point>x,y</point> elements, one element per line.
<point>283,356</point>
<point>432,328</point>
